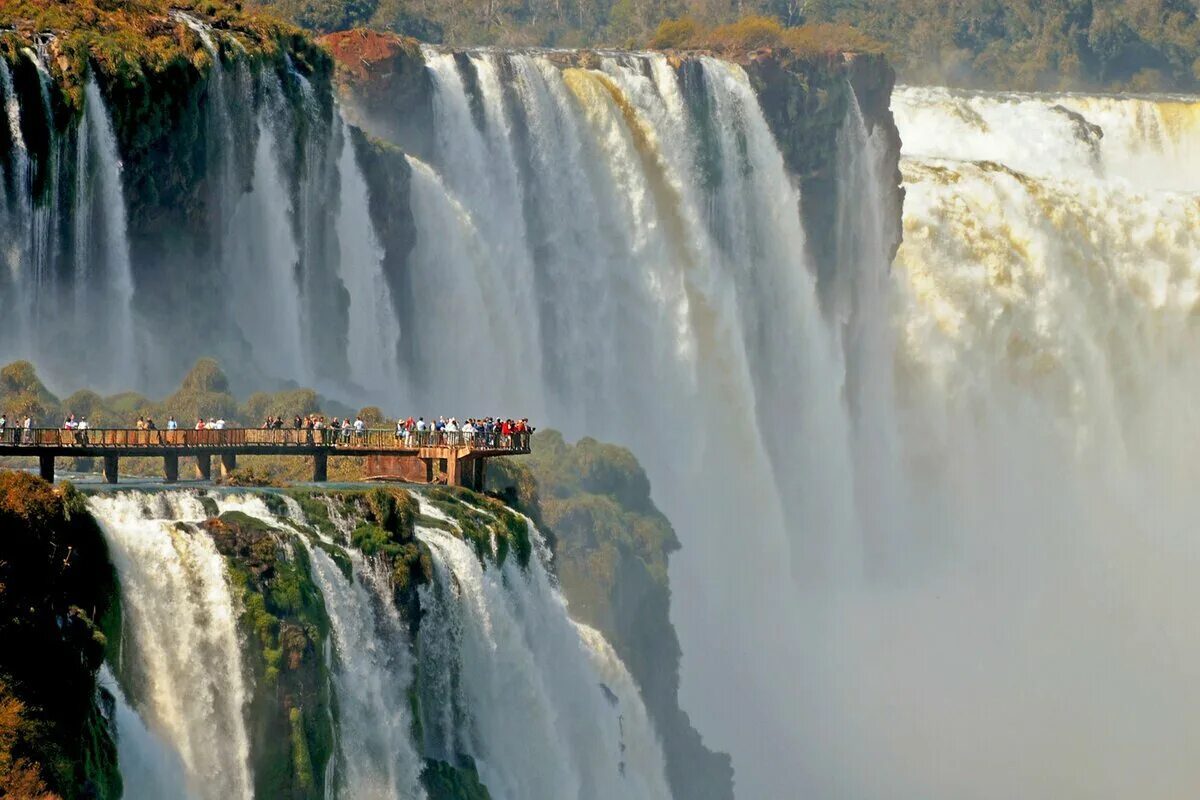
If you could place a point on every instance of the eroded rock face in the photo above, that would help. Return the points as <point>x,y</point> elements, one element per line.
<point>384,87</point>
<point>806,103</point>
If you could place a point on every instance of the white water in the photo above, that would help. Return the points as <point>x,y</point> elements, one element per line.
<point>182,649</point>
<point>676,313</point>
<point>523,697</point>
<point>149,766</point>
<point>372,674</point>
<point>19,209</point>
<point>113,289</point>
<point>961,491</point>
<point>374,328</point>
<point>544,706</point>
<point>262,253</point>
<point>1027,634</point>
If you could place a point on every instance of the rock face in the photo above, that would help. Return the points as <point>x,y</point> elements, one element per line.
<point>806,103</point>
<point>59,611</point>
<point>383,86</point>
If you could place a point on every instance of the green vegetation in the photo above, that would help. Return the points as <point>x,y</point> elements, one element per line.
<point>136,43</point>
<point>444,781</point>
<point>1142,45</point>
<point>509,531</point>
<point>284,619</point>
<point>57,595</point>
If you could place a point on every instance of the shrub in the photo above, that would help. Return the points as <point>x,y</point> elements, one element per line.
<point>827,38</point>
<point>675,34</point>
<point>748,33</point>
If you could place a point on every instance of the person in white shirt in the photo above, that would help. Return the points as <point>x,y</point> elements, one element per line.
<point>172,425</point>
<point>81,431</point>
<point>359,426</point>
<point>220,424</point>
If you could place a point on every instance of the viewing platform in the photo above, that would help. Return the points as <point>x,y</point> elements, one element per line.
<point>457,459</point>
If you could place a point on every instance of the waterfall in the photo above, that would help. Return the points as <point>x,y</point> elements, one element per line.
<point>527,699</point>
<point>374,328</point>
<point>113,297</point>
<point>544,707</point>
<point>676,313</point>
<point>19,207</point>
<point>262,254</point>
<point>371,679</point>
<point>183,648</point>
<point>149,767</point>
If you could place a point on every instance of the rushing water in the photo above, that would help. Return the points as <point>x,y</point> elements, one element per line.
<point>529,702</point>
<point>544,707</point>
<point>371,680</point>
<point>182,647</point>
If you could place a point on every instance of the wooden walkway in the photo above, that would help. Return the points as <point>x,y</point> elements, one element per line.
<point>457,459</point>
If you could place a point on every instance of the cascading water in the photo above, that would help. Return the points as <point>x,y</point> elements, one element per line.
<point>18,208</point>
<point>374,333</point>
<point>544,707</point>
<point>528,699</point>
<point>676,314</point>
<point>149,766</point>
<point>112,291</point>
<point>182,648</point>
<point>371,678</point>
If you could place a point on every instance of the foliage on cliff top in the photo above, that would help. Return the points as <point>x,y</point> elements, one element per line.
<point>808,41</point>
<point>56,584</point>
<point>1140,45</point>
<point>127,40</point>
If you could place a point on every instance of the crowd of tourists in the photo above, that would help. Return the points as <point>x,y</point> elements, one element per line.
<point>487,432</point>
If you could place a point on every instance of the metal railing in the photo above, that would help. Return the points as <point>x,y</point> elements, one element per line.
<point>368,439</point>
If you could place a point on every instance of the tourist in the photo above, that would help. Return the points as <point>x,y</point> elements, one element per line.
<point>81,431</point>
<point>360,427</point>
<point>27,430</point>
<point>199,423</point>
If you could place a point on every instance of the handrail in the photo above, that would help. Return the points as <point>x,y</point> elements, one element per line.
<point>340,439</point>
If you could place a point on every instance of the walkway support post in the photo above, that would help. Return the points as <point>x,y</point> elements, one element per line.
<point>453,469</point>
<point>110,468</point>
<point>320,467</point>
<point>228,464</point>
<point>46,467</point>
<point>171,468</point>
<point>204,466</point>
